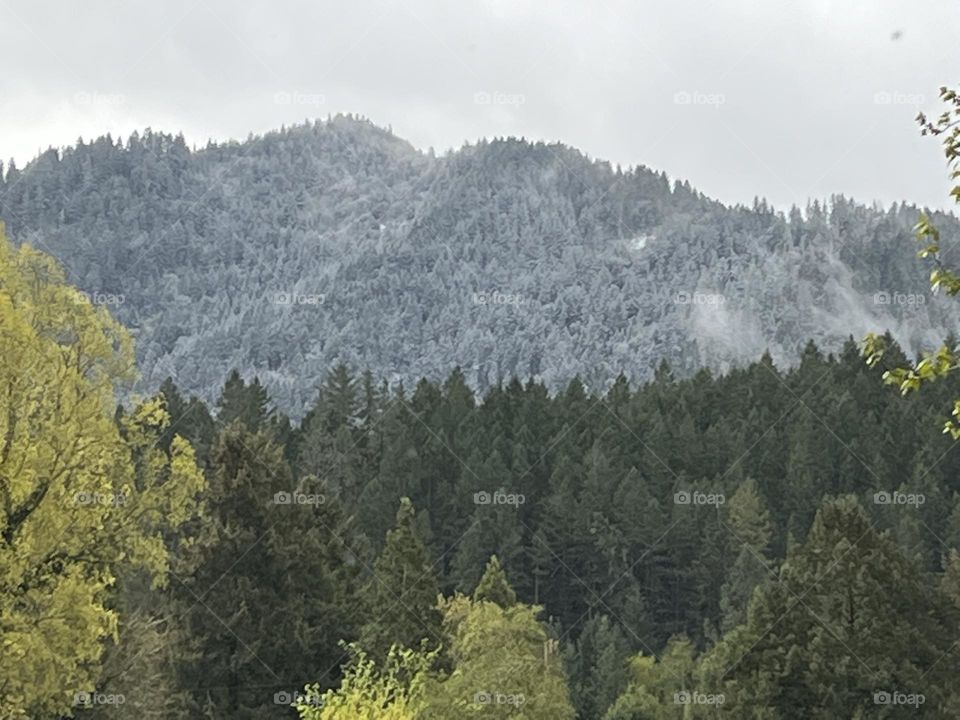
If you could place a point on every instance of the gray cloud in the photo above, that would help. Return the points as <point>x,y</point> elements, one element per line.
<point>784,100</point>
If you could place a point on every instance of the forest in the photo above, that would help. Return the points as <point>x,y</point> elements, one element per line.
<point>335,241</point>
<point>767,542</point>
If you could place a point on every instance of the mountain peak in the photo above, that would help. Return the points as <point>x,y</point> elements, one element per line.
<point>335,241</point>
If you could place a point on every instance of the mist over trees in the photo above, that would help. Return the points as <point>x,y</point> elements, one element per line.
<point>335,241</point>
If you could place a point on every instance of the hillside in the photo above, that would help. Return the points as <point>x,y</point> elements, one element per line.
<point>337,241</point>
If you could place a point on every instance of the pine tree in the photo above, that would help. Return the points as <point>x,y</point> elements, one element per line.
<point>330,444</point>
<point>243,403</point>
<point>493,586</point>
<point>810,471</point>
<point>597,665</point>
<point>401,596</point>
<point>865,622</point>
<point>397,475</point>
<point>277,587</point>
<point>338,404</point>
<point>751,533</point>
<point>493,530</point>
<point>950,580</point>
<point>189,419</point>
<point>370,424</point>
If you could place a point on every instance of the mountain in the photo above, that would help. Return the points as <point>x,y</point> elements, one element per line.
<point>337,241</point>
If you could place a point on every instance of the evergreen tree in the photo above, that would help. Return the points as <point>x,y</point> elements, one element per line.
<point>850,618</point>
<point>751,531</point>
<point>243,403</point>
<point>401,596</point>
<point>494,530</point>
<point>397,475</point>
<point>597,665</point>
<point>189,419</point>
<point>493,586</point>
<point>275,590</point>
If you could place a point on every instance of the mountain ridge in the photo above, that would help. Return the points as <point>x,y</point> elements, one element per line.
<point>336,241</point>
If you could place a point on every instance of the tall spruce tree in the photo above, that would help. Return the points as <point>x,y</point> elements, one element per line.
<point>190,419</point>
<point>850,622</point>
<point>597,665</point>
<point>749,528</point>
<point>401,595</point>
<point>245,403</point>
<point>276,589</point>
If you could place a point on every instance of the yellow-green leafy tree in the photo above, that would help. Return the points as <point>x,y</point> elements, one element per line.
<point>503,662</point>
<point>505,665</point>
<point>946,360</point>
<point>83,496</point>
<point>497,661</point>
<point>397,690</point>
<point>663,688</point>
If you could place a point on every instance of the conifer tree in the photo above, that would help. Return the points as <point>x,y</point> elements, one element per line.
<point>396,476</point>
<point>401,596</point>
<point>188,418</point>
<point>245,403</point>
<point>750,539</point>
<point>864,624</point>
<point>493,586</point>
<point>597,666</point>
<point>276,588</point>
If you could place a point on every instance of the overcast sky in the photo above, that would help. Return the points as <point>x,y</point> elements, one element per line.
<point>785,100</point>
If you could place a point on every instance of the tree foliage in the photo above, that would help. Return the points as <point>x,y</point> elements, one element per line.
<point>83,498</point>
<point>401,592</point>
<point>322,243</point>
<point>396,689</point>
<point>946,359</point>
